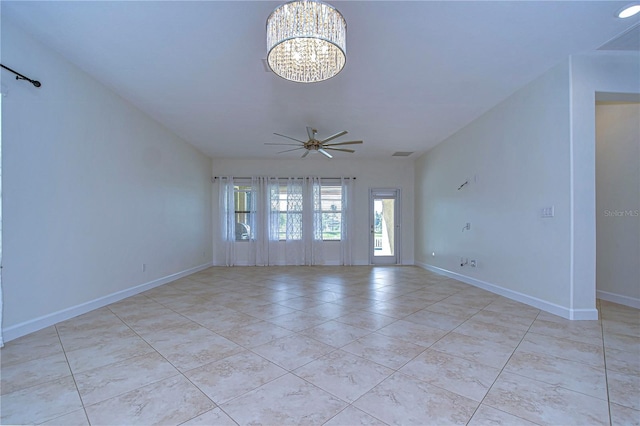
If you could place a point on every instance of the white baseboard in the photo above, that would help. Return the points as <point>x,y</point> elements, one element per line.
<point>618,298</point>
<point>561,311</point>
<point>24,328</point>
<point>583,314</point>
<point>327,263</point>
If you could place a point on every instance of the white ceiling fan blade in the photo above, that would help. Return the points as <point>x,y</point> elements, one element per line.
<point>311,133</point>
<point>289,137</point>
<point>294,149</point>
<point>290,144</point>
<point>340,149</point>
<point>344,143</point>
<point>325,153</point>
<point>337,135</point>
<point>305,154</point>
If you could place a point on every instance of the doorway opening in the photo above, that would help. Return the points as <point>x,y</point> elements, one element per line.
<point>384,221</point>
<point>618,200</point>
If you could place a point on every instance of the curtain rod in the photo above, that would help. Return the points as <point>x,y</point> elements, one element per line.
<point>19,76</point>
<point>288,177</point>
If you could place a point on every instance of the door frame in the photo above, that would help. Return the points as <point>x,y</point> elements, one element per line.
<point>394,193</point>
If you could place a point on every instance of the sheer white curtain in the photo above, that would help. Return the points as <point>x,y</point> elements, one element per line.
<point>312,222</point>
<point>303,236</point>
<point>272,209</point>
<point>227,240</point>
<point>260,221</point>
<point>346,236</point>
<point>294,244</point>
<point>284,215</point>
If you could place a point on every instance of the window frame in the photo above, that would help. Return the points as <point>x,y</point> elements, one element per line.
<point>282,189</point>
<point>278,197</point>
<point>339,212</point>
<point>247,189</point>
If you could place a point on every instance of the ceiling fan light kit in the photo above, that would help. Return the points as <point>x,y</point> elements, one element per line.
<point>316,145</point>
<point>306,41</point>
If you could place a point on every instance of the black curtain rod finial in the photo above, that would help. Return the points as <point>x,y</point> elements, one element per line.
<point>36,83</point>
<point>19,76</point>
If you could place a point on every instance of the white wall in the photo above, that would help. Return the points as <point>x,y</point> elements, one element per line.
<point>391,173</point>
<point>591,75</point>
<point>618,202</point>
<point>92,189</point>
<point>516,159</point>
<point>536,149</point>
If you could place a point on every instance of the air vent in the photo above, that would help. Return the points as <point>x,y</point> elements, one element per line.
<point>402,154</point>
<point>629,40</point>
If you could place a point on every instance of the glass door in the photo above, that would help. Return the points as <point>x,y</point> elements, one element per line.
<point>384,226</point>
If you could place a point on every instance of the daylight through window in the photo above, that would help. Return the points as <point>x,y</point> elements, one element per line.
<point>243,199</point>
<point>331,205</point>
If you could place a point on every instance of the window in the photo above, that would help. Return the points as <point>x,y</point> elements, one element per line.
<point>243,201</point>
<point>331,210</point>
<point>293,219</point>
<point>287,205</point>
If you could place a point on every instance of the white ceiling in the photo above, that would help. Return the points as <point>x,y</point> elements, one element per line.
<point>416,72</point>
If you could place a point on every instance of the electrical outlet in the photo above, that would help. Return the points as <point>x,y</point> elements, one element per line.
<point>548,211</point>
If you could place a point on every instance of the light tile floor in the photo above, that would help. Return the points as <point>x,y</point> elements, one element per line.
<point>324,345</point>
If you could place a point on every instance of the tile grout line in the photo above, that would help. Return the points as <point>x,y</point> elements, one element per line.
<point>571,360</point>
<point>178,371</point>
<point>245,291</point>
<point>604,356</point>
<point>500,373</point>
<point>75,383</point>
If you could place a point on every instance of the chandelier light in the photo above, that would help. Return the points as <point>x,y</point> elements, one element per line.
<point>306,41</point>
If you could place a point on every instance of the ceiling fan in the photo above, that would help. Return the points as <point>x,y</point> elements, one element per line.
<point>314,144</point>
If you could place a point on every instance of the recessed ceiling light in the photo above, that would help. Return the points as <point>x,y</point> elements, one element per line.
<point>628,11</point>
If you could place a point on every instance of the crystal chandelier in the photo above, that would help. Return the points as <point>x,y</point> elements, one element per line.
<point>306,41</point>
